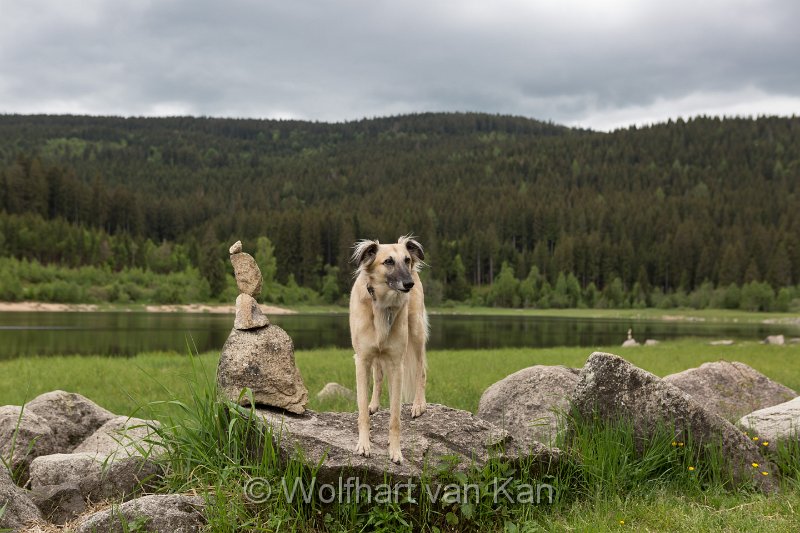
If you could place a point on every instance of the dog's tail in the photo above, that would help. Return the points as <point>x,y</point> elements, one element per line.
<point>415,351</point>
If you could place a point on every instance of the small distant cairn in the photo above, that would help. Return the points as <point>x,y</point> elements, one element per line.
<point>630,341</point>
<point>258,356</point>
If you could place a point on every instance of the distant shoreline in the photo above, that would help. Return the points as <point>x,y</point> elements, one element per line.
<point>220,309</point>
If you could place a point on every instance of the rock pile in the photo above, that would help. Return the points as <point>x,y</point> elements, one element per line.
<point>249,281</point>
<point>70,451</point>
<point>613,389</point>
<point>257,355</point>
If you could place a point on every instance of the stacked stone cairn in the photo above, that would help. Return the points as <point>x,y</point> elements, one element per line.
<point>257,361</point>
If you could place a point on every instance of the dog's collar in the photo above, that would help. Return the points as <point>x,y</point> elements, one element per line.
<point>371,292</point>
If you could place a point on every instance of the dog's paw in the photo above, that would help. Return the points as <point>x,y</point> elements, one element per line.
<point>373,408</point>
<point>417,409</point>
<point>396,455</point>
<point>363,448</point>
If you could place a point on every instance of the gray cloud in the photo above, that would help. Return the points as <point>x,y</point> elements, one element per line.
<point>597,64</point>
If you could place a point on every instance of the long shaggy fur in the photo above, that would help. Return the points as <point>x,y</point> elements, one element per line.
<point>389,330</point>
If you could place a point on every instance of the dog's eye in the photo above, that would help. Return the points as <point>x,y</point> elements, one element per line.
<point>389,262</point>
<point>408,260</point>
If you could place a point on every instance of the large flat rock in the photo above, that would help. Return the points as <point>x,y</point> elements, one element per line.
<point>431,440</point>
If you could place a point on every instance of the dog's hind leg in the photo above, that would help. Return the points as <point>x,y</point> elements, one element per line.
<point>395,372</point>
<point>420,405</point>
<point>362,386</point>
<point>377,382</point>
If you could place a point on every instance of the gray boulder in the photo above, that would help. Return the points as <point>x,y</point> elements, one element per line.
<point>23,437</point>
<point>776,423</point>
<point>777,340</point>
<point>527,402</point>
<point>334,390</point>
<point>122,436</point>
<point>95,477</point>
<point>436,438</point>
<point>248,275</point>
<point>263,361</point>
<point>248,313</point>
<point>70,416</point>
<point>158,513</point>
<point>613,389</point>
<point>19,508</point>
<point>59,503</point>
<point>730,389</point>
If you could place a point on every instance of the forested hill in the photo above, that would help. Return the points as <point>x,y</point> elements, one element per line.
<point>666,207</point>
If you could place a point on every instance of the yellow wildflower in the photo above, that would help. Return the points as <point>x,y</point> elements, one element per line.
<point>755,438</point>
<point>691,469</point>
<point>755,465</point>
<point>765,443</point>
<point>764,473</point>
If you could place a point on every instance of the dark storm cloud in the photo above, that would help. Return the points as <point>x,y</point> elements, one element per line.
<point>598,64</point>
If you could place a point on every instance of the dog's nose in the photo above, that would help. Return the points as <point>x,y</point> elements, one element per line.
<point>407,285</point>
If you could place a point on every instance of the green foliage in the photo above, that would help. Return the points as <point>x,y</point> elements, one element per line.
<point>668,207</point>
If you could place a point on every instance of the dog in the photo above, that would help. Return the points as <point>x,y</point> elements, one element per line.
<point>389,330</point>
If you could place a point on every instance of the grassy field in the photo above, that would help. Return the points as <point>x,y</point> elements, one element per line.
<point>456,378</point>
<point>663,500</point>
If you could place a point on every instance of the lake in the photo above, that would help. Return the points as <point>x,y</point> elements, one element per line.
<point>128,333</point>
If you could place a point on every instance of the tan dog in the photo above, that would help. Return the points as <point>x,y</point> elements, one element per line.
<point>389,329</point>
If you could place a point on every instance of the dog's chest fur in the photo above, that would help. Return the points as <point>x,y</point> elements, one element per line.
<point>386,311</point>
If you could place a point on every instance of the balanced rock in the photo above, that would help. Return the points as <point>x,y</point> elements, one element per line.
<point>528,402</point>
<point>261,360</point>
<point>23,437</point>
<point>613,389</point>
<point>776,423</point>
<point>630,342</point>
<point>235,248</point>
<point>334,390</point>
<point>730,389</point>
<point>70,416</point>
<point>158,513</point>
<point>248,313</point>
<point>18,508</point>
<point>248,275</point>
<point>440,437</point>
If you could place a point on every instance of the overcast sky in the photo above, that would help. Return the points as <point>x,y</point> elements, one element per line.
<point>600,64</point>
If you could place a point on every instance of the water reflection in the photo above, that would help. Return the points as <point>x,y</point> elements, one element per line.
<point>120,333</point>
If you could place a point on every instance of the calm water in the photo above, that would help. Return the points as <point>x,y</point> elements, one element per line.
<point>110,333</point>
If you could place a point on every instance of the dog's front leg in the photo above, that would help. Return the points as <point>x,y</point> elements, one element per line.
<point>362,387</point>
<point>395,386</point>
<point>377,380</point>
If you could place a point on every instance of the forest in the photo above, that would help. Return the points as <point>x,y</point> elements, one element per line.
<point>511,211</point>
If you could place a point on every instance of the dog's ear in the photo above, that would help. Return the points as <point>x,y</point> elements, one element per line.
<point>364,253</point>
<point>413,247</point>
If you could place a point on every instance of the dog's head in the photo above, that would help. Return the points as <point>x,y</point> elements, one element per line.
<point>391,264</point>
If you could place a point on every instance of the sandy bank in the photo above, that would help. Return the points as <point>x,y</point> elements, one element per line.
<point>184,308</point>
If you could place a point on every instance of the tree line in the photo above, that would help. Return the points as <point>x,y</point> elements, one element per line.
<point>662,210</point>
